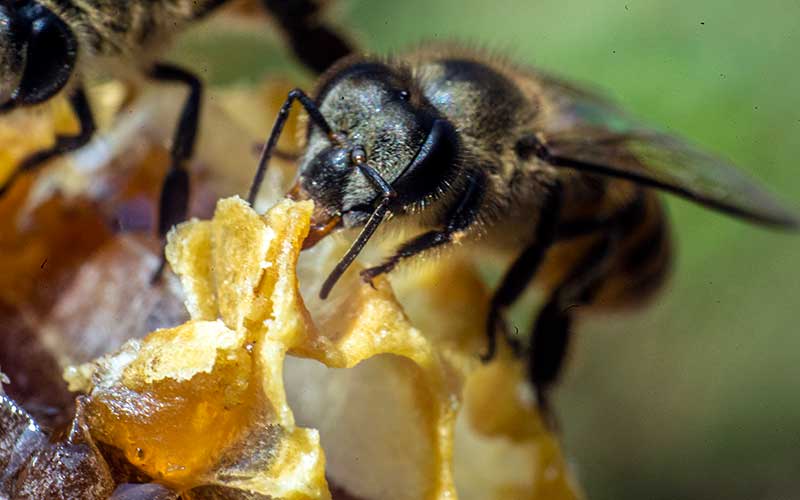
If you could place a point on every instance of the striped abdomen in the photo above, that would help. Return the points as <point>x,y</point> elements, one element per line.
<point>638,255</point>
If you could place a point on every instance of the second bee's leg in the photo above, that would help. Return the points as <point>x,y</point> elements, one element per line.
<point>174,200</point>
<point>64,144</point>
<point>314,43</point>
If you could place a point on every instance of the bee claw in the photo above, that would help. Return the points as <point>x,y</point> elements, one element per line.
<point>498,325</point>
<point>369,282</point>
<point>369,274</point>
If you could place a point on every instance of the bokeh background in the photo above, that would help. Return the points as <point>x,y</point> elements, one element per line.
<point>699,396</point>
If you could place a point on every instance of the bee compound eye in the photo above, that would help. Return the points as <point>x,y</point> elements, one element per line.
<point>12,53</point>
<point>358,155</point>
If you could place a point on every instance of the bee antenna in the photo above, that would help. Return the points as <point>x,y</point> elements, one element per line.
<point>388,194</point>
<point>283,114</point>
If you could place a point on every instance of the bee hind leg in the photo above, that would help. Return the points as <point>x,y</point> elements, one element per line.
<point>174,200</point>
<point>546,354</point>
<point>65,143</point>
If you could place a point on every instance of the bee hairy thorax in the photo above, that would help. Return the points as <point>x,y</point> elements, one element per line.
<point>127,27</point>
<point>489,111</point>
<point>478,99</point>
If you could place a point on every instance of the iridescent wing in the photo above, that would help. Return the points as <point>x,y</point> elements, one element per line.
<point>583,131</point>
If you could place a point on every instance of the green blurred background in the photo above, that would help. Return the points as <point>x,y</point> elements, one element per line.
<point>698,396</point>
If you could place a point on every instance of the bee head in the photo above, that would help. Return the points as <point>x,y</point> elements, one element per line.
<point>376,118</point>
<point>38,52</point>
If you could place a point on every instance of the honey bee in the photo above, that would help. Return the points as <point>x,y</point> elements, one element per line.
<point>475,149</point>
<point>45,44</point>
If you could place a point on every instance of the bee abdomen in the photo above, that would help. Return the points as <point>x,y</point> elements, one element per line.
<point>642,261</point>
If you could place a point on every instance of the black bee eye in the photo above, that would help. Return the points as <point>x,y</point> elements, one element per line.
<point>51,55</point>
<point>403,95</point>
<point>358,156</point>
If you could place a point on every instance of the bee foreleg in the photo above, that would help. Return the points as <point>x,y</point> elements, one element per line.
<point>174,201</point>
<point>64,144</point>
<point>521,273</point>
<point>314,43</point>
<point>458,219</point>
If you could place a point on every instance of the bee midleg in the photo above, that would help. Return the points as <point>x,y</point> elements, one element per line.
<point>551,330</point>
<point>458,219</point>
<point>174,201</point>
<point>314,43</point>
<point>64,144</point>
<point>585,277</point>
<point>521,273</point>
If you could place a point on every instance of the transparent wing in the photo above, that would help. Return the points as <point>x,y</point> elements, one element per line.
<point>584,131</point>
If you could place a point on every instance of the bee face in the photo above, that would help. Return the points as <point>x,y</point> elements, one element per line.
<point>374,120</point>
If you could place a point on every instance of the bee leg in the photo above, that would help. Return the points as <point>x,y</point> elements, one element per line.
<point>551,331</point>
<point>458,219</point>
<point>174,201</point>
<point>520,275</point>
<point>315,44</point>
<point>64,144</point>
<point>514,283</point>
<point>549,344</point>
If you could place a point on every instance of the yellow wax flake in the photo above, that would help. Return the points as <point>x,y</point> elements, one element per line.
<point>189,251</point>
<point>240,242</point>
<point>283,314</point>
<point>181,353</point>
